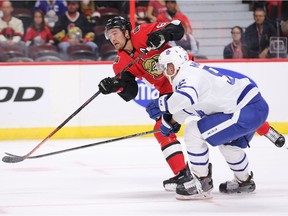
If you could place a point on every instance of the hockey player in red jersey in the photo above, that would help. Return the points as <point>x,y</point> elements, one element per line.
<point>130,44</point>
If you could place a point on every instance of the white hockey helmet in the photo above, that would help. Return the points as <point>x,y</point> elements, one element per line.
<point>175,55</point>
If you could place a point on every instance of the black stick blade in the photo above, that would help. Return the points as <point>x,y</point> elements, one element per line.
<point>9,159</point>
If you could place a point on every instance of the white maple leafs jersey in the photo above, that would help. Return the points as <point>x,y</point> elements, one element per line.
<point>200,90</point>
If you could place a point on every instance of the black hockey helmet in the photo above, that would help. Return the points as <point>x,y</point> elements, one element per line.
<point>118,22</point>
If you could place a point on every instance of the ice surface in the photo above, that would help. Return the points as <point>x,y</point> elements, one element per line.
<point>125,178</point>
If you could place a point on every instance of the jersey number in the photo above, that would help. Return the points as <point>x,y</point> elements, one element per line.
<point>213,71</point>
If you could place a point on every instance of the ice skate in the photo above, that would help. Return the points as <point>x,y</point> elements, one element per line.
<point>206,182</point>
<point>171,183</point>
<point>236,186</point>
<point>189,187</point>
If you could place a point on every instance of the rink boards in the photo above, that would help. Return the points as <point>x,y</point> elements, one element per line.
<point>35,99</point>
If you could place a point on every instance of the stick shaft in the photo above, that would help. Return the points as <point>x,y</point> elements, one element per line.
<point>21,158</point>
<point>62,124</point>
<point>94,144</point>
<point>144,52</point>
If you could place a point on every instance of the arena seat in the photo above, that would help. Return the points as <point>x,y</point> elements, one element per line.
<point>108,52</point>
<point>107,13</point>
<point>99,37</point>
<point>80,51</point>
<point>37,51</point>
<point>48,59</point>
<point>10,51</point>
<point>20,59</point>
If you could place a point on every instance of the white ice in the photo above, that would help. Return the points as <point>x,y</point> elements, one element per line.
<point>125,178</point>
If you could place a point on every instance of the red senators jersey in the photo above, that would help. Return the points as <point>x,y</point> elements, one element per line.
<point>145,68</point>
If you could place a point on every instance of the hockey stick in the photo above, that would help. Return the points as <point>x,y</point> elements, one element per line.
<point>89,145</point>
<point>144,52</point>
<point>15,159</point>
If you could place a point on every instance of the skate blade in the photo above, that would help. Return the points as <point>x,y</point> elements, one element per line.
<point>202,196</point>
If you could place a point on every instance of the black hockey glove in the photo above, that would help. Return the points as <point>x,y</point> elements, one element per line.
<point>109,85</point>
<point>157,39</point>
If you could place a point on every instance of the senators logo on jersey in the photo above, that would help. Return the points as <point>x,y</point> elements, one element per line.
<point>146,68</point>
<point>150,65</point>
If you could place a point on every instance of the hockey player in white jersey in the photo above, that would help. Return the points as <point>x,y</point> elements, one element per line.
<point>229,109</point>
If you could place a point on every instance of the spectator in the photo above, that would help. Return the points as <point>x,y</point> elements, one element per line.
<point>258,34</point>
<point>284,32</point>
<point>73,28</point>
<point>11,28</point>
<point>284,28</point>
<point>284,11</point>
<point>1,13</point>
<point>122,6</point>
<point>38,33</point>
<point>188,41</point>
<point>88,8</point>
<point>52,9</point>
<point>274,9</point>
<point>236,49</point>
<point>257,4</point>
<point>140,11</point>
<point>155,8</point>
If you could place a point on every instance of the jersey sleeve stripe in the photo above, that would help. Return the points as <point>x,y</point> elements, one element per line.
<point>188,87</point>
<point>186,95</point>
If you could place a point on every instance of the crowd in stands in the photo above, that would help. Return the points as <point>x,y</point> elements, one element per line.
<point>55,30</point>
<point>266,37</point>
<point>67,30</point>
<point>188,42</point>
